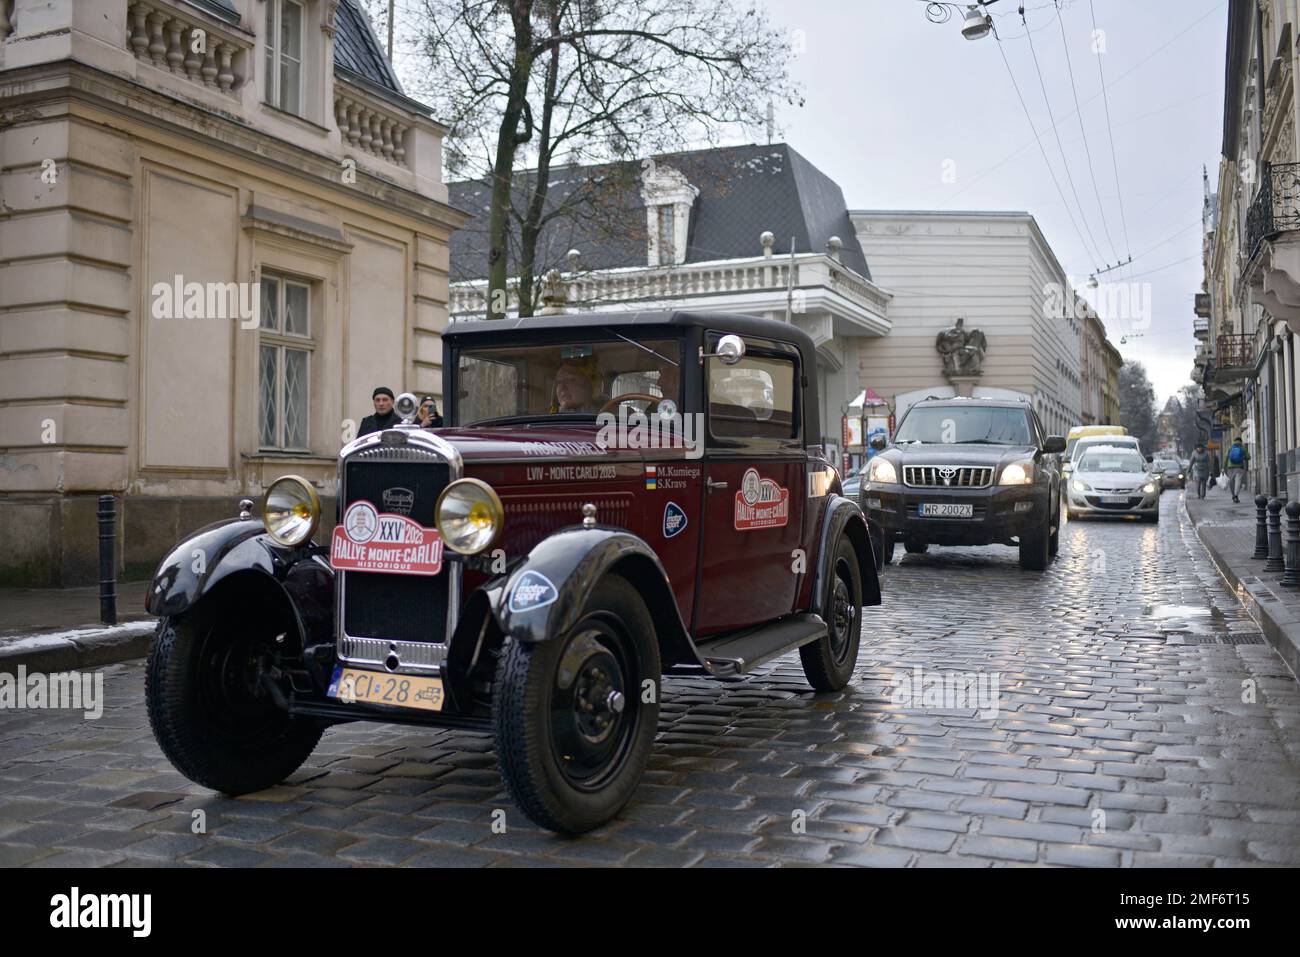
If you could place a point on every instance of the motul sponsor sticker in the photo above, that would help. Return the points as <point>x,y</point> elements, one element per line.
<point>368,540</point>
<point>761,503</point>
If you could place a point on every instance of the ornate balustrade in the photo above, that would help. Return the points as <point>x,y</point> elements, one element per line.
<point>367,124</point>
<point>161,35</point>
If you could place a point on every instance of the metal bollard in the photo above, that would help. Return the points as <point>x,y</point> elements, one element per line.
<point>107,566</point>
<point>1261,527</point>
<point>1274,563</point>
<point>1291,577</point>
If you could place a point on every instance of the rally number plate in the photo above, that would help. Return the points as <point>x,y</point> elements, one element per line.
<point>947,510</point>
<point>354,685</point>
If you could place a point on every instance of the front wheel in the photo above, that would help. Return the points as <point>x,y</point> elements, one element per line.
<point>828,662</point>
<point>914,547</point>
<point>1035,547</point>
<point>575,716</point>
<point>206,691</point>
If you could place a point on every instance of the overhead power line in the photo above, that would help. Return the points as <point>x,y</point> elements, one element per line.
<point>1047,162</point>
<point>1110,132</point>
<point>1065,159</point>
<point>1087,150</point>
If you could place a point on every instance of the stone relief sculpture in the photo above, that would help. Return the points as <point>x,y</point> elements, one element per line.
<point>961,349</point>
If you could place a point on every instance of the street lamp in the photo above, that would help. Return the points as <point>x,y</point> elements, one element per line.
<point>977,23</point>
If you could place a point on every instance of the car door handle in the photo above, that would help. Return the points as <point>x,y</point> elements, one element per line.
<point>711,484</point>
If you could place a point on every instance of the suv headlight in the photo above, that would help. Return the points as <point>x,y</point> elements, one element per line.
<point>1017,473</point>
<point>469,516</point>
<point>883,471</point>
<point>291,510</point>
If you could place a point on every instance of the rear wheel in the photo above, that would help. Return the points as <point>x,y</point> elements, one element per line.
<point>575,716</point>
<point>1035,547</point>
<point>210,707</point>
<point>828,662</point>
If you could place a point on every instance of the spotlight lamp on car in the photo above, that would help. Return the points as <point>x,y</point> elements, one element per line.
<point>469,516</point>
<point>291,510</point>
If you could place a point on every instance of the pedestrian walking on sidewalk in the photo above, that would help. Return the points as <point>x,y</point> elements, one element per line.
<point>1200,469</point>
<point>1235,462</point>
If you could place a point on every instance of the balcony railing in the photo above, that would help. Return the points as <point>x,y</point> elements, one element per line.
<point>1235,352</point>
<point>1275,208</point>
<point>757,277</point>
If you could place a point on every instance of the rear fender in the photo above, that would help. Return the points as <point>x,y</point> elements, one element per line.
<point>844,518</point>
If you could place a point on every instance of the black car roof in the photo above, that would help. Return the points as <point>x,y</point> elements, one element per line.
<point>738,323</point>
<point>968,400</point>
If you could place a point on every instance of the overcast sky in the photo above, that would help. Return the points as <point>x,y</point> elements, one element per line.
<point>891,97</point>
<point>894,102</point>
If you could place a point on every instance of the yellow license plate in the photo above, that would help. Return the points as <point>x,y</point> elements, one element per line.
<point>356,685</point>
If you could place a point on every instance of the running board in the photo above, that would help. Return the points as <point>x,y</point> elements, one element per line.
<point>728,657</point>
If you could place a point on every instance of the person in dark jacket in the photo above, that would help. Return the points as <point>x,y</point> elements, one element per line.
<point>384,417</point>
<point>428,416</point>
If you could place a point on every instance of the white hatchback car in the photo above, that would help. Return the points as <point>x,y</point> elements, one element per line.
<point>1113,480</point>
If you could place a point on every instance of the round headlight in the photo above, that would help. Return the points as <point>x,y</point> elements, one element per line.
<point>469,516</point>
<point>291,510</point>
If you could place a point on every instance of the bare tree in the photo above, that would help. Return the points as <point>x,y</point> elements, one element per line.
<point>527,84</point>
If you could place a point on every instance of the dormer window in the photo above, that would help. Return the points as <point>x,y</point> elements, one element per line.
<point>284,31</point>
<point>668,198</point>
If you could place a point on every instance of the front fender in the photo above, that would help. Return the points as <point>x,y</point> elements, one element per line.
<point>546,593</point>
<point>197,563</point>
<point>844,517</point>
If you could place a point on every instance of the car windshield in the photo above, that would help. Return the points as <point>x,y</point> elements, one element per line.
<point>565,379</point>
<point>1111,460</point>
<point>1084,445</point>
<point>952,424</point>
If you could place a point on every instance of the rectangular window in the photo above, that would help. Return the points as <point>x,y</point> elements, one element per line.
<point>667,250</point>
<point>284,23</point>
<point>284,355</point>
<point>753,399</point>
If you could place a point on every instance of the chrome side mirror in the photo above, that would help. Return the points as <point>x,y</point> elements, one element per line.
<point>405,406</point>
<point>731,349</point>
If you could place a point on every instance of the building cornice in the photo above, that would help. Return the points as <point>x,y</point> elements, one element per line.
<point>27,89</point>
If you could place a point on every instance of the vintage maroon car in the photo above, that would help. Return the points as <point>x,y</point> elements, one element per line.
<point>617,497</point>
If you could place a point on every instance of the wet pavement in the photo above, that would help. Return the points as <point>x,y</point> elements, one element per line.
<point>1138,718</point>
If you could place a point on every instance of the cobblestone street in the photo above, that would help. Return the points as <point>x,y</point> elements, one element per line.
<point>1122,739</point>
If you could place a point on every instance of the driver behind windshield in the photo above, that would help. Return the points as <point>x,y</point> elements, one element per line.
<point>576,384</point>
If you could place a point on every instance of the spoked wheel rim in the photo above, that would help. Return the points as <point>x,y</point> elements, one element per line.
<point>230,689</point>
<point>593,717</point>
<point>842,612</point>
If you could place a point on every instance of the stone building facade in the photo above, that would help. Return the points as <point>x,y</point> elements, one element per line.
<point>222,224</point>
<point>997,272</point>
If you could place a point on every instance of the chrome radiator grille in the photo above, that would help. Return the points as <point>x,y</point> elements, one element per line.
<point>381,613</point>
<point>948,476</point>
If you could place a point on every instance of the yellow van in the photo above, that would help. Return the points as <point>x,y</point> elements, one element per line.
<point>1083,431</point>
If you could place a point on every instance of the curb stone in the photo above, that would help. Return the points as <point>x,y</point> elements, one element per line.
<point>1280,627</point>
<point>88,647</point>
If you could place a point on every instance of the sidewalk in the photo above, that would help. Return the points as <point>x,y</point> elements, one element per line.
<point>53,629</point>
<point>1228,532</point>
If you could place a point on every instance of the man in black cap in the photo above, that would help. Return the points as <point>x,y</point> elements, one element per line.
<point>384,416</point>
